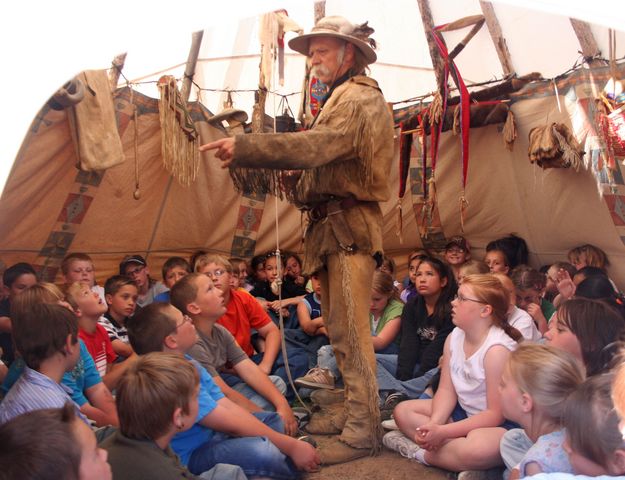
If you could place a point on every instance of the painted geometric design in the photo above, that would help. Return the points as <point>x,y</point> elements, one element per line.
<point>93,178</point>
<point>416,179</point>
<point>75,208</point>
<point>57,244</point>
<point>249,219</point>
<point>250,215</point>
<point>46,273</point>
<point>616,205</point>
<point>243,246</point>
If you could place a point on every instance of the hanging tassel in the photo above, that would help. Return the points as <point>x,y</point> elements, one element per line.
<point>436,109</point>
<point>135,117</point>
<point>509,131</point>
<point>400,221</point>
<point>464,205</point>
<point>179,138</point>
<point>457,125</point>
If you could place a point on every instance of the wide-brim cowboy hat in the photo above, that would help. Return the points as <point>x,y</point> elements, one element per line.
<point>229,114</point>
<point>338,27</point>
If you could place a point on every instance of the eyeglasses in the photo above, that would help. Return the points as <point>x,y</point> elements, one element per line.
<point>185,319</point>
<point>216,274</point>
<point>136,271</point>
<point>462,299</point>
<point>457,250</point>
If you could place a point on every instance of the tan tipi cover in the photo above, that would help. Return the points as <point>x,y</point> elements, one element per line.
<point>49,208</point>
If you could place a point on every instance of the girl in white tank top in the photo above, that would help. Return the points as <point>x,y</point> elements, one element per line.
<point>460,428</point>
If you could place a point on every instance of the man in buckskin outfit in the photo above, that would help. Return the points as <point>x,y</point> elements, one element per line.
<point>342,163</point>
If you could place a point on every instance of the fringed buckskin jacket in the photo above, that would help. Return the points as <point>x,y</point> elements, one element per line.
<point>347,153</point>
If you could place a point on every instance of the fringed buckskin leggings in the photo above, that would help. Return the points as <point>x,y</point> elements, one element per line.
<point>345,302</point>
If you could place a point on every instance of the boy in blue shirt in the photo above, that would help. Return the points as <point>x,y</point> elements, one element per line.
<point>223,430</point>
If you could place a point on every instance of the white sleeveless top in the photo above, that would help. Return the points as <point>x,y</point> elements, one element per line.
<point>467,374</point>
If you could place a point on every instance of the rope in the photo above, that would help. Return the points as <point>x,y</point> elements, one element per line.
<point>285,357</point>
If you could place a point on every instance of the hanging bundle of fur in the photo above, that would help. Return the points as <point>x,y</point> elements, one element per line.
<point>436,109</point>
<point>509,131</point>
<point>456,127</point>
<point>179,138</point>
<point>554,146</point>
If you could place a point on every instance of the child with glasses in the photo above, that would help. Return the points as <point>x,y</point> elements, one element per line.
<point>461,427</point>
<point>136,268</point>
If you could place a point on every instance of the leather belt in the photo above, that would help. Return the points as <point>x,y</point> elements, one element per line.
<point>321,210</point>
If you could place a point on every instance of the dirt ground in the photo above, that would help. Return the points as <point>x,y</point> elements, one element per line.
<point>387,466</point>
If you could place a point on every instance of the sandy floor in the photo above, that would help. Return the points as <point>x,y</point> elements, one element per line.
<point>387,466</point>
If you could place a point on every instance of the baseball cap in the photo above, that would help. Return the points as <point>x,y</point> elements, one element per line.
<point>128,259</point>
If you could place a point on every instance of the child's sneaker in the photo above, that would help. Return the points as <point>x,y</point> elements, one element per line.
<point>389,424</point>
<point>398,442</point>
<point>316,378</point>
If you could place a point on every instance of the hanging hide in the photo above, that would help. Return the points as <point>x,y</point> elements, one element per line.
<point>93,124</point>
<point>554,146</point>
<point>179,138</point>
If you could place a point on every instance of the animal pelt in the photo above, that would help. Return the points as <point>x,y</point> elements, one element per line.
<point>554,146</point>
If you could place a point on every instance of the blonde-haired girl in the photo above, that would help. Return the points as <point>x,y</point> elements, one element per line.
<point>534,386</point>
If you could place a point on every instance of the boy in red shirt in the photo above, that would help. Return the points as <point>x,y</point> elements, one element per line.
<point>89,307</point>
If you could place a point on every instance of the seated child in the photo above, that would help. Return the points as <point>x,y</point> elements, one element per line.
<point>257,271</point>
<point>594,443</point>
<point>239,265</point>
<point>89,307</point>
<point>535,384</point>
<point>51,444</point>
<point>384,323</point>
<point>410,289</point>
<point>471,267</point>
<point>457,253</point>
<point>217,351</point>
<point>293,273</point>
<point>222,429</point>
<point>47,338</point>
<point>551,287</point>
<point>425,324</point>
<point>86,386</point>
<point>121,297</point>
<point>136,268</point>
<point>244,313</point>
<point>504,254</point>
<point>157,398</point>
<point>174,269</point>
<point>530,289</point>
<point>16,278</point>
<point>311,334</point>
<point>588,256</point>
<point>460,429</point>
<point>78,267</point>
<point>518,318</point>
<point>589,330</point>
<point>292,293</point>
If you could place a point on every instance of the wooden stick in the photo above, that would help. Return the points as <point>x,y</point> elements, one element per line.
<point>586,41</point>
<point>320,10</point>
<point>116,70</point>
<point>428,25</point>
<point>189,71</point>
<point>501,47</point>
